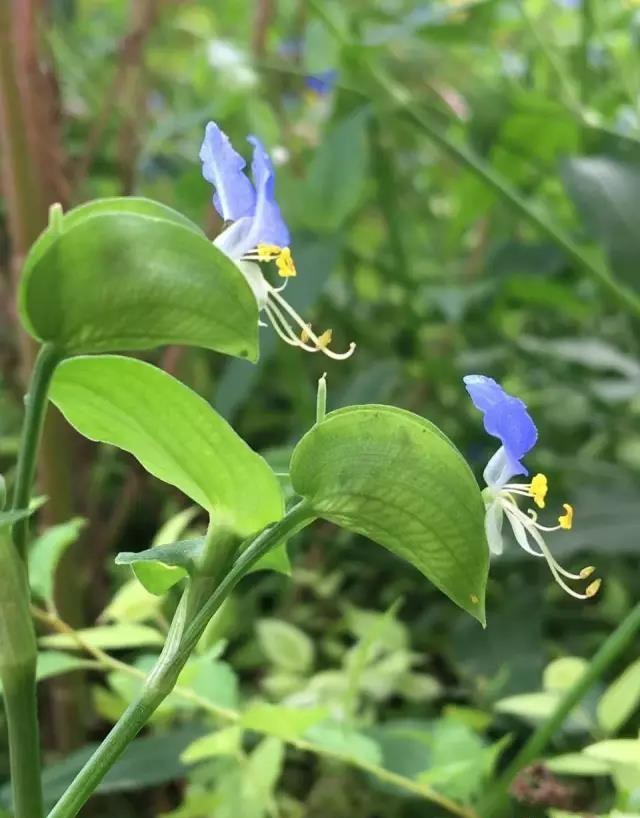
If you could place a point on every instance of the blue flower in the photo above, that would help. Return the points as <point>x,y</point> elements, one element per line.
<point>252,209</point>
<point>507,419</point>
<point>255,231</point>
<point>322,83</point>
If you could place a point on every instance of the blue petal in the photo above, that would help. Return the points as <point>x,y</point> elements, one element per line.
<point>235,196</point>
<point>268,225</point>
<point>505,417</point>
<point>323,82</point>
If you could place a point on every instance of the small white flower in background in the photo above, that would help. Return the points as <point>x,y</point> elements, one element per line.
<point>231,63</point>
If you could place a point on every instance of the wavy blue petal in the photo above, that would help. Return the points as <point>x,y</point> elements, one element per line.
<point>268,225</point>
<point>223,167</point>
<point>505,417</point>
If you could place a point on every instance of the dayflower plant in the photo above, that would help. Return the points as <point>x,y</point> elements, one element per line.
<point>507,418</point>
<point>255,231</point>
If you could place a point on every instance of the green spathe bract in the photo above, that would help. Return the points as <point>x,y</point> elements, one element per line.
<point>124,274</point>
<point>173,432</point>
<point>394,477</point>
<point>163,566</point>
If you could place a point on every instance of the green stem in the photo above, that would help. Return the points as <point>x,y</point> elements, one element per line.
<point>403,100</point>
<point>497,802</point>
<point>586,33</point>
<point>24,742</point>
<point>35,410</point>
<point>160,682</point>
<point>18,655</point>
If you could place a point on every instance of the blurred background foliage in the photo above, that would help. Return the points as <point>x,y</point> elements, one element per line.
<point>411,250</point>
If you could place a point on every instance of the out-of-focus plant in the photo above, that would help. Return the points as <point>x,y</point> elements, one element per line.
<point>461,181</point>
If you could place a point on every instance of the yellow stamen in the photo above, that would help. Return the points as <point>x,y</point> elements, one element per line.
<point>325,339</point>
<point>281,255</point>
<point>268,252</point>
<point>304,335</point>
<point>538,489</point>
<point>593,589</point>
<point>586,572</point>
<point>566,519</point>
<point>285,265</point>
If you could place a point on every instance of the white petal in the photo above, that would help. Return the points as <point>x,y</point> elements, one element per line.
<point>498,470</point>
<point>256,281</point>
<point>493,527</point>
<point>235,240</point>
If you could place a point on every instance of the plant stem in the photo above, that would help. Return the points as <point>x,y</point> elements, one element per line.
<point>404,100</point>
<point>496,804</point>
<point>35,406</point>
<point>181,641</point>
<point>18,655</point>
<point>24,742</point>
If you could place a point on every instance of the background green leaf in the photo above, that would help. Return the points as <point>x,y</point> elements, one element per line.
<point>394,477</point>
<point>620,699</point>
<point>105,637</point>
<point>285,645</point>
<point>606,191</point>
<point>46,552</point>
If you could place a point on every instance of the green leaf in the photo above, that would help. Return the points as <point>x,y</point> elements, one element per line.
<point>620,699</point>
<point>131,603</point>
<point>394,477</point>
<point>8,518</point>
<point>163,566</point>
<point>624,751</point>
<point>577,764</point>
<point>212,680</point>
<point>121,274</point>
<point>225,742</point>
<point>607,194</point>
<point>563,673</point>
<point>106,637</point>
<point>146,762</point>
<point>285,645</point>
<point>286,723</point>
<point>345,742</point>
<point>537,707</point>
<point>337,175</point>
<point>173,432</point>
<point>53,663</point>
<point>45,554</point>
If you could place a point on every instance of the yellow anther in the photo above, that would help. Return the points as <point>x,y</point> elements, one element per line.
<point>586,572</point>
<point>284,263</point>
<point>538,489</point>
<point>566,519</point>
<point>304,335</point>
<point>268,252</point>
<point>593,589</point>
<point>325,339</point>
